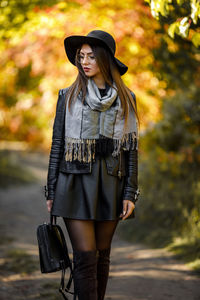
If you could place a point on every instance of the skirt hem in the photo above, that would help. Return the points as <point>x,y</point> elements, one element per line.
<point>92,219</point>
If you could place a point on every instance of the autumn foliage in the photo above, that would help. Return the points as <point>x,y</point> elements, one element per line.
<point>34,65</point>
<point>159,41</point>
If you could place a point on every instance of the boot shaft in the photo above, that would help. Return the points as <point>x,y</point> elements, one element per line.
<point>85,274</point>
<point>103,265</point>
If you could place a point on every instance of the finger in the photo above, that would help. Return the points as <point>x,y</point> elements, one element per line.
<point>128,213</point>
<point>125,208</point>
<point>130,208</point>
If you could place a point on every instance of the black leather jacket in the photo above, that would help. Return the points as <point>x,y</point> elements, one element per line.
<point>126,164</point>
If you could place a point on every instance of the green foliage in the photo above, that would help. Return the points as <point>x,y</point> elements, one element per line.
<point>180,28</point>
<point>170,155</point>
<point>188,250</point>
<point>159,7</point>
<point>11,172</point>
<point>15,13</point>
<point>196,40</point>
<point>176,64</point>
<point>183,17</point>
<point>18,261</point>
<point>170,179</point>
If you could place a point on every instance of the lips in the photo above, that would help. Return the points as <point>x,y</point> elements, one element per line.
<point>86,69</point>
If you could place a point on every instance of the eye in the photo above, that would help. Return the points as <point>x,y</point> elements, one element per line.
<point>91,57</point>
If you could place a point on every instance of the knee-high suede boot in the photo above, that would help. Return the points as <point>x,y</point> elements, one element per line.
<point>85,274</point>
<point>102,272</point>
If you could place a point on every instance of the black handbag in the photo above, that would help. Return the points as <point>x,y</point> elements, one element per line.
<point>53,252</point>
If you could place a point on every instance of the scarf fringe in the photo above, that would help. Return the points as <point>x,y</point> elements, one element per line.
<point>84,150</point>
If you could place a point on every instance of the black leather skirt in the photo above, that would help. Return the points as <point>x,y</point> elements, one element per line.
<point>95,196</point>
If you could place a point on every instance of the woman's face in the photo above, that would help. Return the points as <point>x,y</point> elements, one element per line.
<point>88,61</point>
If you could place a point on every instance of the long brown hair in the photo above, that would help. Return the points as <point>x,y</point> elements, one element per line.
<point>110,73</point>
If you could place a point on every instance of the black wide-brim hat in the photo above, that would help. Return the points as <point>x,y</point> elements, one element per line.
<point>95,37</point>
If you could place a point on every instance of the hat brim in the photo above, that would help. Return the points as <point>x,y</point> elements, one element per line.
<point>72,43</point>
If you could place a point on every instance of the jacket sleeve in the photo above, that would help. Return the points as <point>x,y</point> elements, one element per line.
<point>131,191</point>
<point>57,149</point>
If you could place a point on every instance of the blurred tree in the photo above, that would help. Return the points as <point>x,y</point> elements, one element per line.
<point>163,72</point>
<point>15,13</point>
<point>170,149</point>
<point>183,17</point>
<point>33,64</point>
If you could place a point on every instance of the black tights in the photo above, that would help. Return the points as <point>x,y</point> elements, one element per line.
<point>87,235</point>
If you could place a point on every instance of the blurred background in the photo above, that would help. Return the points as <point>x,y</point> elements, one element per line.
<point>160,43</point>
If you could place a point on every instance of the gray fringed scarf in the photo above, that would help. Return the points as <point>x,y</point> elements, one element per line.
<point>99,118</point>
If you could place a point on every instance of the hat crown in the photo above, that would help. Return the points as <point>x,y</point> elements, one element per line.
<point>95,37</point>
<point>104,37</point>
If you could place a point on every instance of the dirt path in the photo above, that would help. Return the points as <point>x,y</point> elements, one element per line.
<point>137,272</point>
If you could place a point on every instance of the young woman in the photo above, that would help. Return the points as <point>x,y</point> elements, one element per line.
<point>92,175</point>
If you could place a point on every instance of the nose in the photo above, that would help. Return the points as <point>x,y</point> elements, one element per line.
<point>85,60</point>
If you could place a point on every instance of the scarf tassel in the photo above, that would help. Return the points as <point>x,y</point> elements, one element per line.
<point>83,150</point>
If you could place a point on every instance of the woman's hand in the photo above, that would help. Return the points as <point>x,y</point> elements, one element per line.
<point>128,207</point>
<point>49,205</point>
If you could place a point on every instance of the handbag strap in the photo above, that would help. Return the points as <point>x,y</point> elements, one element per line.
<point>65,246</point>
<point>53,218</point>
<point>63,289</point>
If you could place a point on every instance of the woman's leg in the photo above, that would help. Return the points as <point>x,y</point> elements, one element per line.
<point>87,236</point>
<point>82,236</point>
<point>104,231</point>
